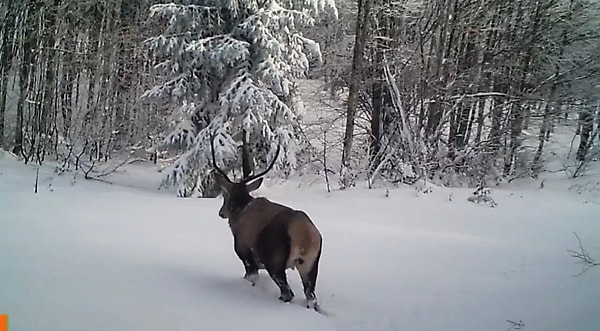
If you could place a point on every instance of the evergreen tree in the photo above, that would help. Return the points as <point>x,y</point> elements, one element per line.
<point>228,69</point>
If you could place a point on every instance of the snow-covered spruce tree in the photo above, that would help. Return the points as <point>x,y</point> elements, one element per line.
<point>226,68</point>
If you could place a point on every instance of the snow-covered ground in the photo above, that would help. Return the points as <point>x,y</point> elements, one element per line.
<point>94,256</point>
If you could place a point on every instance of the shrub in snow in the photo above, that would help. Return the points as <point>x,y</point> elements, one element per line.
<point>482,196</point>
<point>226,67</point>
<point>421,187</point>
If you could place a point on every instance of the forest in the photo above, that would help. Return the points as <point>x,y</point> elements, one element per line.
<point>442,90</point>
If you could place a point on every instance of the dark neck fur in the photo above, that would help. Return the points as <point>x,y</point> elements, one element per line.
<point>241,203</point>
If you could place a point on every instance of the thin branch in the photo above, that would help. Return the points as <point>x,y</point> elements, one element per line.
<point>325,160</point>
<point>515,325</point>
<point>67,158</point>
<point>582,255</point>
<point>113,169</point>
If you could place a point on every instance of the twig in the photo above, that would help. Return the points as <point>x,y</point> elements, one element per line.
<point>580,167</point>
<point>565,167</point>
<point>325,160</point>
<point>518,176</point>
<point>79,155</point>
<point>583,257</point>
<point>37,176</point>
<point>515,325</point>
<point>67,159</point>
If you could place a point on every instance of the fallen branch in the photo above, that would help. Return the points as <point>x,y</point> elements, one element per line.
<point>583,257</point>
<point>99,180</point>
<point>139,159</point>
<point>114,168</point>
<point>519,175</point>
<point>90,172</point>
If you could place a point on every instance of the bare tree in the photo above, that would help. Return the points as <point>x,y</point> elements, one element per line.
<point>470,76</point>
<point>78,71</point>
<point>364,8</point>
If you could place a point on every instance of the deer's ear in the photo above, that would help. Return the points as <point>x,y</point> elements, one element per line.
<point>254,185</point>
<point>222,182</point>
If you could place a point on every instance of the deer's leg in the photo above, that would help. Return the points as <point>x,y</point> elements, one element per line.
<point>279,277</point>
<point>308,274</point>
<point>245,254</point>
<point>273,248</point>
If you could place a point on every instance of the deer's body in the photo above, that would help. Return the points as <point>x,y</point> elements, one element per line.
<point>271,236</point>
<point>261,218</point>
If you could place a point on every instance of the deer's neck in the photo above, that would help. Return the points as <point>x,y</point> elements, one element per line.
<point>237,213</point>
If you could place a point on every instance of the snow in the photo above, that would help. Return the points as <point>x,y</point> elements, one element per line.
<point>94,256</point>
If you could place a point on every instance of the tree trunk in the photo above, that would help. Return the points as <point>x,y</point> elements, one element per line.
<point>27,62</point>
<point>6,55</point>
<point>49,100</point>
<point>246,161</point>
<point>536,163</point>
<point>587,126</point>
<point>378,104</point>
<point>517,117</point>
<point>357,63</point>
<point>67,82</point>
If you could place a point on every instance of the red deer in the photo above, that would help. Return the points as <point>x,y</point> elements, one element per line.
<point>270,235</point>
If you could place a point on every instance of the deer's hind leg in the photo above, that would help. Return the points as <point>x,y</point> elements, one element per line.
<point>273,248</point>
<point>308,271</point>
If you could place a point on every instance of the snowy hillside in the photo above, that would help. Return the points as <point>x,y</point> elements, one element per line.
<point>94,256</point>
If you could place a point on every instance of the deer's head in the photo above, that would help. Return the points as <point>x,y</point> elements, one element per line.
<point>236,195</point>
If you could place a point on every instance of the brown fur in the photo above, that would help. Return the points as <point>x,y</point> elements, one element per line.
<point>270,235</point>
<point>305,237</point>
<point>261,216</point>
<point>254,217</point>
<point>305,242</point>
